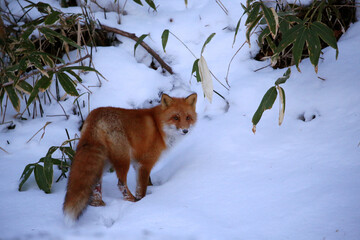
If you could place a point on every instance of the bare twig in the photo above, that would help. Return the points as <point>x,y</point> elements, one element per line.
<point>222,6</point>
<point>54,69</point>
<point>262,67</point>
<point>4,150</point>
<point>143,44</point>
<point>228,70</point>
<point>43,128</point>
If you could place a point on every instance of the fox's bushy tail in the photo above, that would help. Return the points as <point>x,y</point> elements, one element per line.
<point>86,170</point>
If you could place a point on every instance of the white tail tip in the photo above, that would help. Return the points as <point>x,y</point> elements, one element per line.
<point>69,219</point>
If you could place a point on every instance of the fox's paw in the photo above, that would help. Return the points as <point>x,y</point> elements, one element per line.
<point>97,203</point>
<point>131,198</point>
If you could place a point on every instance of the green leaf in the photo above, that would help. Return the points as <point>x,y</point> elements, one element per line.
<point>48,31</point>
<point>24,87</point>
<point>264,33</point>
<point>151,4</point>
<point>285,77</point>
<point>271,18</point>
<point>67,84</point>
<point>43,54</point>
<point>83,68</point>
<point>26,174</point>
<point>48,171</point>
<point>266,103</point>
<point>250,28</point>
<point>271,43</point>
<point>43,7</point>
<point>314,47</point>
<point>51,151</point>
<point>299,47</point>
<point>40,178</point>
<point>237,29</point>
<point>293,19</point>
<point>282,104</point>
<point>52,18</point>
<point>27,32</point>
<point>69,152</point>
<point>290,37</point>
<point>164,38</point>
<point>138,2</point>
<point>14,99</point>
<point>195,69</point>
<point>207,41</point>
<point>42,85</point>
<point>326,34</point>
<point>74,75</point>
<point>254,13</point>
<point>140,40</point>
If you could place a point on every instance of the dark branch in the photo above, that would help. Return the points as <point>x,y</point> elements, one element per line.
<point>143,44</point>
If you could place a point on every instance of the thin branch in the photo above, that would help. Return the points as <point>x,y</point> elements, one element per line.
<point>143,44</point>
<point>228,70</point>
<point>4,150</point>
<point>43,128</point>
<point>54,69</point>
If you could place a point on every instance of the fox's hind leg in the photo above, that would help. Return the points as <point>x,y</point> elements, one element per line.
<point>122,167</point>
<point>96,197</point>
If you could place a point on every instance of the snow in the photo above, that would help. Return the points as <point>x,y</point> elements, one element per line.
<point>296,181</point>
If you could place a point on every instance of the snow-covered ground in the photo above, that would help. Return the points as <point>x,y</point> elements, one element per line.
<point>298,181</point>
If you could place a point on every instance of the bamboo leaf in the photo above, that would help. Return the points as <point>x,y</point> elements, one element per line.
<point>285,77</point>
<point>266,103</point>
<point>51,151</point>
<point>151,4</point>
<point>14,99</point>
<point>27,32</point>
<point>254,13</point>
<point>69,152</point>
<point>264,33</point>
<point>206,80</point>
<point>237,29</point>
<point>207,41</point>
<point>326,34</point>
<point>195,69</point>
<point>314,47</point>
<point>24,87</point>
<point>250,28</point>
<point>67,84</point>
<point>271,18</point>
<point>138,2</point>
<point>26,174</point>
<point>164,38</point>
<point>140,40</point>
<point>48,31</point>
<point>40,178</point>
<point>48,171</point>
<point>52,18</point>
<point>74,75</point>
<point>282,104</point>
<point>83,68</point>
<point>299,47</point>
<point>290,37</point>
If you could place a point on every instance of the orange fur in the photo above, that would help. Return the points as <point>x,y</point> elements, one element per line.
<point>122,136</point>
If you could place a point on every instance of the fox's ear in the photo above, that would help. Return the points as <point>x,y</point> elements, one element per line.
<point>191,100</point>
<point>166,100</point>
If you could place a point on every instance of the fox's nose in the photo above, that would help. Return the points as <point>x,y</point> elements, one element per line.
<point>185,131</point>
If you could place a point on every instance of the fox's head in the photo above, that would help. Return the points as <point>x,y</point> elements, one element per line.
<point>178,114</point>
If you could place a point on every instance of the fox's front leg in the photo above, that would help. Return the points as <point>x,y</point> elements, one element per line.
<point>143,174</point>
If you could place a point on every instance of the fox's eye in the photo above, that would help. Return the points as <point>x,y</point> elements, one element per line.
<point>176,118</point>
<point>188,118</point>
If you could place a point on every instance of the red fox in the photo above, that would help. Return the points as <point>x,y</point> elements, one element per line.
<point>123,136</point>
